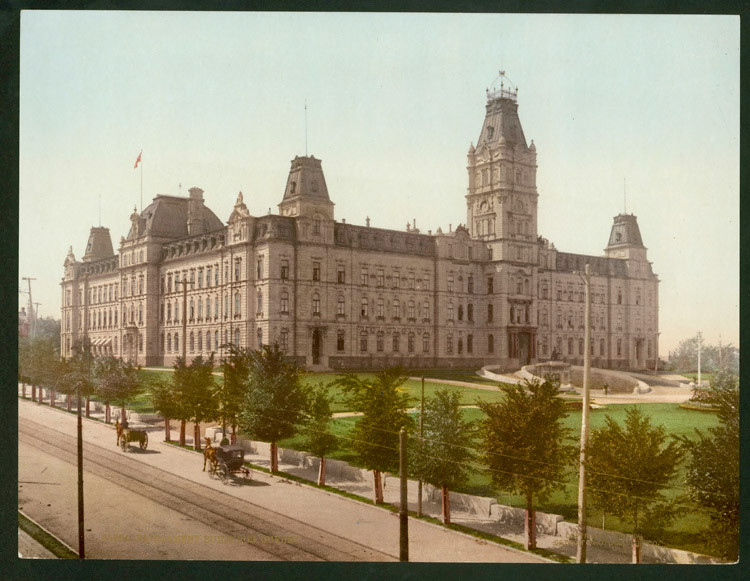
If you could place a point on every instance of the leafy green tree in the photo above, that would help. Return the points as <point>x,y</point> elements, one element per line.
<point>376,434</point>
<point>441,457</point>
<point>165,403</point>
<point>713,473</point>
<point>76,373</point>
<point>117,382</point>
<point>231,393</point>
<point>275,400</point>
<point>39,361</point>
<point>198,395</point>
<point>524,443</point>
<point>628,467</point>
<point>318,439</point>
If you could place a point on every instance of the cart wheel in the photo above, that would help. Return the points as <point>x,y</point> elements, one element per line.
<point>224,473</point>
<point>144,442</point>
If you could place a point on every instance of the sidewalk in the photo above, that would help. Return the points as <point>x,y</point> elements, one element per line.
<point>359,522</point>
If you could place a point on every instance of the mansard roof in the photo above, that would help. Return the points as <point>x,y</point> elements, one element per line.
<point>600,265</point>
<point>167,217</point>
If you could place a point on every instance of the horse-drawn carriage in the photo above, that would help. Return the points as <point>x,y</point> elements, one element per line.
<point>225,461</point>
<point>127,434</point>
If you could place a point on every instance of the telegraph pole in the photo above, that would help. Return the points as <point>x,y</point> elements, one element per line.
<point>421,441</point>
<point>31,308</point>
<point>581,549</point>
<point>36,317</point>
<point>404,509</point>
<point>81,543</point>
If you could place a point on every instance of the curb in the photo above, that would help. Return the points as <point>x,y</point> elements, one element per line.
<point>58,539</point>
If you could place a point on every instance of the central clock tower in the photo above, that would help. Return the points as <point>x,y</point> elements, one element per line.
<point>502,198</point>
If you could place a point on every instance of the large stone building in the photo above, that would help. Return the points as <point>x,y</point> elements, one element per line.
<point>335,295</point>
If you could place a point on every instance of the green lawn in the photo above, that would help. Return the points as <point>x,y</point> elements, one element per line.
<point>685,533</point>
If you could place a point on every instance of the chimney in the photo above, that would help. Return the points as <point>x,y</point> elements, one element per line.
<point>367,221</point>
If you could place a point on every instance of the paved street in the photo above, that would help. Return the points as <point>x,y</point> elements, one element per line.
<point>111,510</point>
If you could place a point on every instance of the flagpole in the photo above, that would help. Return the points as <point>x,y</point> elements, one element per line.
<point>141,185</point>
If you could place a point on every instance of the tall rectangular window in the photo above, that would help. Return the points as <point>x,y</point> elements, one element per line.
<point>381,277</point>
<point>341,274</point>
<point>259,268</point>
<point>363,277</point>
<point>284,269</point>
<point>316,271</point>
<point>490,285</point>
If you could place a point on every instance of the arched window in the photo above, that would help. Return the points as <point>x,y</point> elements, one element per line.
<point>226,306</point>
<point>226,337</point>
<point>526,286</point>
<point>284,339</point>
<point>340,306</point>
<point>258,332</point>
<point>601,347</point>
<point>364,307</point>
<point>236,303</point>
<point>619,347</point>
<point>200,341</point>
<point>208,338</point>
<point>426,342</point>
<point>491,343</point>
<point>284,302</point>
<point>140,343</point>
<point>570,346</point>
<point>470,343</point>
<point>161,341</point>
<point>396,309</point>
<point>379,341</point>
<point>140,314</point>
<point>470,312</point>
<point>410,343</point>
<point>450,311</point>
<point>114,341</point>
<point>396,342</point>
<point>363,341</point>
<point>580,346</point>
<point>191,344</point>
<point>426,310</point>
<point>460,312</point>
<point>340,336</point>
<point>259,310</point>
<point>169,312</point>
<point>449,344</point>
<point>176,341</point>
<point>316,304</point>
<point>192,310</point>
<point>208,307</point>
<point>176,311</point>
<point>412,311</point>
<point>460,346</point>
<point>619,297</point>
<point>380,309</point>
<point>216,339</point>
<point>237,338</point>
<point>200,309</point>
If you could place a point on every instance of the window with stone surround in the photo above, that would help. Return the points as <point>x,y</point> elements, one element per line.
<point>425,342</point>
<point>284,302</point>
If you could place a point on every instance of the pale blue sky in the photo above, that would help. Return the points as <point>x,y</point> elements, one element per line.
<point>216,100</point>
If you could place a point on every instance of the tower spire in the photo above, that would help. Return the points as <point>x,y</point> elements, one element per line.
<point>305,127</point>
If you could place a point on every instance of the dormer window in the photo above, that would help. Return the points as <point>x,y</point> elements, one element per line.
<point>292,187</point>
<point>490,132</point>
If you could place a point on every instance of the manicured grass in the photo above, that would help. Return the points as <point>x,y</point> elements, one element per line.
<point>45,539</point>
<point>694,376</point>
<point>685,533</point>
<point>469,395</point>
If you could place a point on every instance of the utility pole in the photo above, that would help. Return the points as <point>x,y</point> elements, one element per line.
<point>184,317</point>
<point>36,317</point>
<point>32,322</point>
<point>581,549</point>
<point>421,441</point>
<point>404,509</point>
<point>700,346</point>
<point>81,543</point>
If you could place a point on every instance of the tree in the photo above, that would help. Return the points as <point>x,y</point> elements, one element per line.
<point>76,373</point>
<point>275,400</point>
<point>117,382</point>
<point>713,473</point>
<point>628,467</point>
<point>524,443</point>
<point>165,403</point>
<point>376,434</point>
<point>685,357</point>
<point>318,440</point>
<point>231,393</point>
<point>197,395</point>
<point>442,455</point>
<point>39,359</point>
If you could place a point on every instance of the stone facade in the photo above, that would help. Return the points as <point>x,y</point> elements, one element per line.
<point>335,295</point>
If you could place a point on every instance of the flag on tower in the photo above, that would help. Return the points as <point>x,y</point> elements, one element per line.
<point>138,160</point>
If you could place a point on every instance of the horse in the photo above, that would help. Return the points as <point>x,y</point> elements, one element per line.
<point>209,454</point>
<point>119,430</point>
